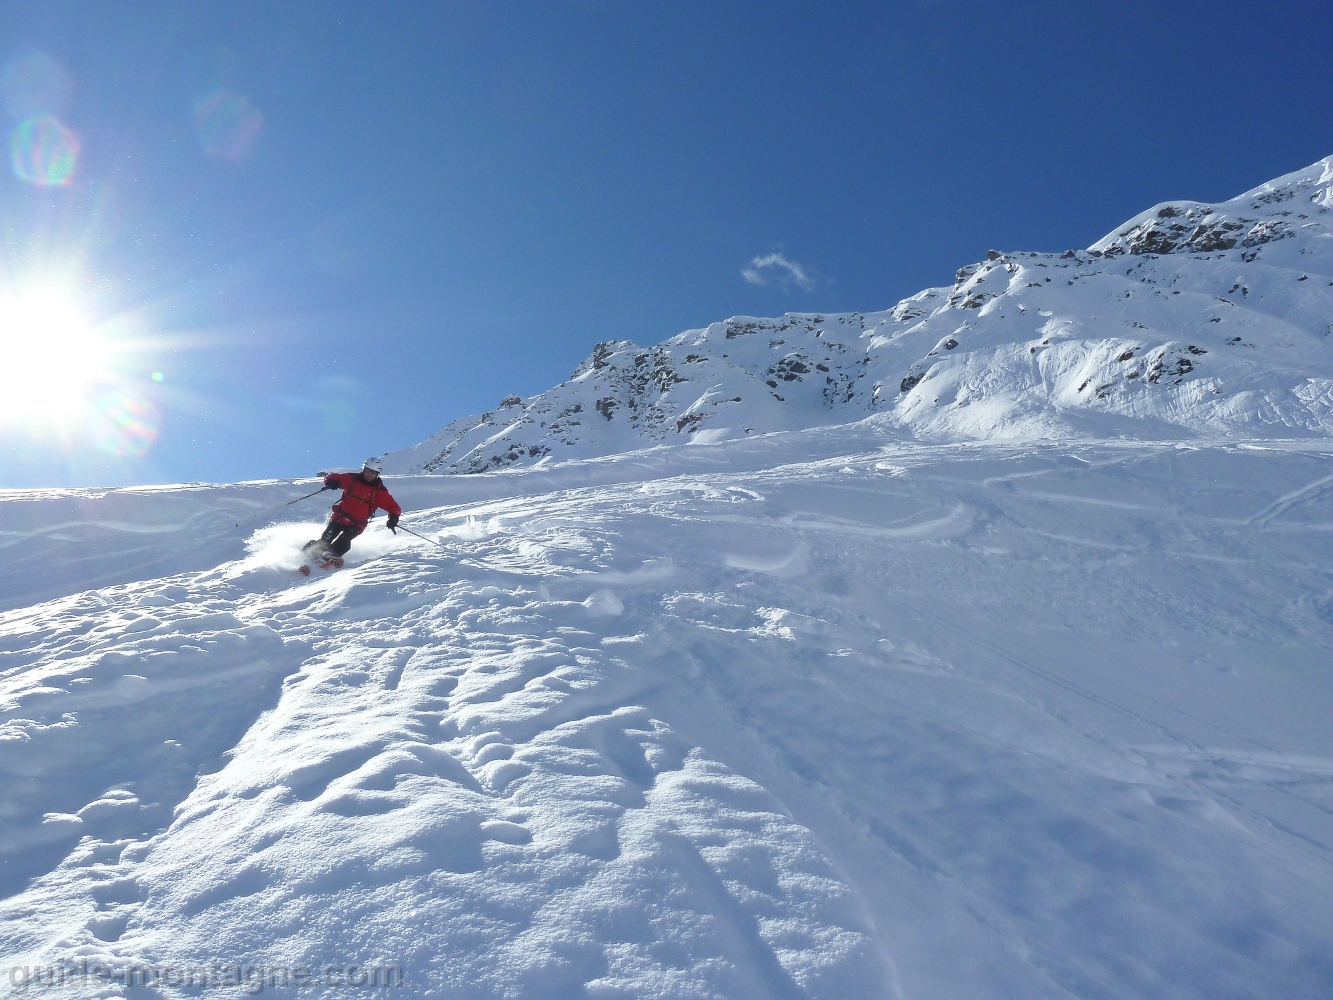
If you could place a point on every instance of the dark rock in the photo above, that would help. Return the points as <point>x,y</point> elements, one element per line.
<point>1156,236</point>
<point>1273,197</point>
<point>907,309</point>
<point>735,329</point>
<point>1175,368</point>
<point>1267,232</point>
<point>790,368</point>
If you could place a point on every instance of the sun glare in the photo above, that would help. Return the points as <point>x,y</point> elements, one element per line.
<point>54,354</point>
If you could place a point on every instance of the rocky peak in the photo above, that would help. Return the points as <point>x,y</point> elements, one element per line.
<point>1272,211</point>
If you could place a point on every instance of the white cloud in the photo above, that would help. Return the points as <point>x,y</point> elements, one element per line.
<point>775,267</point>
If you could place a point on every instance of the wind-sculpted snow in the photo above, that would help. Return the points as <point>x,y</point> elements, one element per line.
<point>1189,320</point>
<point>803,716</point>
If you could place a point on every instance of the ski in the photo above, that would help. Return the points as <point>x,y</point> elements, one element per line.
<point>334,563</point>
<point>315,551</point>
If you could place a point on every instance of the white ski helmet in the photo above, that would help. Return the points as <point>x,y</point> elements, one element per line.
<point>373,464</point>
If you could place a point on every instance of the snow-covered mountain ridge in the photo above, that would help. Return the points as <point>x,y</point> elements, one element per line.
<point>1187,320</point>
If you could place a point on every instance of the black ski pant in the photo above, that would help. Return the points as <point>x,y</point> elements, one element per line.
<point>338,536</point>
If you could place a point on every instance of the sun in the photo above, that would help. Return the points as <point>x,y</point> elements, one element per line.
<point>54,354</point>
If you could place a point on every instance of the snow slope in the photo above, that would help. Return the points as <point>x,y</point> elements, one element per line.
<point>1188,320</point>
<point>801,715</point>
<point>979,648</point>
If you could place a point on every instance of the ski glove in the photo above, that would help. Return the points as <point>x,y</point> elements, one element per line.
<point>330,482</point>
<point>392,523</point>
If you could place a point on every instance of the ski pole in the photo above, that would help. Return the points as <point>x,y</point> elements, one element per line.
<point>279,507</point>
<point>422,537</point>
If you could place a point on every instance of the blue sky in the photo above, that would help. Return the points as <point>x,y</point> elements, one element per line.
<point>304,233</point>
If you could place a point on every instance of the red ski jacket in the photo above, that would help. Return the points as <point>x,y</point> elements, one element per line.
<point>360,499</point>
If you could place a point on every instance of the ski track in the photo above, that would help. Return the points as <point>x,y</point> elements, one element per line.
<point>768,720</point>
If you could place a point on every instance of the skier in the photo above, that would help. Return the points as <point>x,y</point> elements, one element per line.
<point>363,494</point>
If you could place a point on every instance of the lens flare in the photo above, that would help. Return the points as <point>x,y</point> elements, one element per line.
<point>125,424</point>
<point>227,124</point>
<point>43,151</point>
